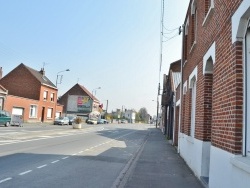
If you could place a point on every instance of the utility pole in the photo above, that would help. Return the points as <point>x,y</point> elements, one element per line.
<point>107,107</point>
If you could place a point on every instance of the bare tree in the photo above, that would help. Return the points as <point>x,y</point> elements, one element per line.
<point>143,113</point>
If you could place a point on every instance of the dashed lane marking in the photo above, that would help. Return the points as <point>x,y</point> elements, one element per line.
<point>55,161</point>
<point>42,166</point>
<point>4,180</point>
<point>26,172</point>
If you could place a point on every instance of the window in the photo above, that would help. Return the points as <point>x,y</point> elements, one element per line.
<point>49,112</point>
<point>186,40</point>
<point>194,22</point>
<point>208,10</point>
<point>45,95</point>
<point>52,96</point>
<point>33,111</point>
<point>1,103</point>
<point>192,86</point>
<point>193,106</point>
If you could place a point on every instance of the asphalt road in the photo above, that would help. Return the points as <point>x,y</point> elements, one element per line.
<point>55,156</point>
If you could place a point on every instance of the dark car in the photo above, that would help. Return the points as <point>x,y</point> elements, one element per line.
<point>61,121</point>
<point>5,118</point>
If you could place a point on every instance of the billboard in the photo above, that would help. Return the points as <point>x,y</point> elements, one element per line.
<point>79,104</point>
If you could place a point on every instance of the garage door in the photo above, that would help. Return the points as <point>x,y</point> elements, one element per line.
<point>17,111</point>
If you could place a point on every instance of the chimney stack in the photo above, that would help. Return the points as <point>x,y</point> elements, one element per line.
<point>42,71</point>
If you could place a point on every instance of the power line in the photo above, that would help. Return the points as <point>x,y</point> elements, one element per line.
<point>171,37</point>
<point>170,29</point>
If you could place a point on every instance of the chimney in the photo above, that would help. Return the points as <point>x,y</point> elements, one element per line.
<point>42,71</point>
<point>1,73</point>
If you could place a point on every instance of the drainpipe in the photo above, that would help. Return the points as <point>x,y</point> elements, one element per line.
<point>174,102</point>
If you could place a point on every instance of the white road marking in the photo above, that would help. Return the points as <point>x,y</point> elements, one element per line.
<point>55,161</point>
<point>42,166</point>
<point>7,142</point>
<point>65,157</point>
<point>26,172</point>
<point>45,136</point>
<point>4,180</point>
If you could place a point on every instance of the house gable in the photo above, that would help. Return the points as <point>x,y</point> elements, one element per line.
<point>20,82</point>
<point>77,89</point>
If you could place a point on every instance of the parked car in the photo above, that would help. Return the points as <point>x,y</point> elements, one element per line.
<point>91,121</point>
<point>61,121</point>
<point>71,119</point>
<point>5,118</point>
<point>102,121</point>
<point>123,121</point>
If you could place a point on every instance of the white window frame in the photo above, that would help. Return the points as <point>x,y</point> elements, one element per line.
<point>246,93</point>
<point>49,112</point>
<point>33,111</point>
<point>185,88</point>
<point>209,13</point>
<point>193,108</point>
<point>194,13</point>
<point>192,86</point>
<point>45,95</point>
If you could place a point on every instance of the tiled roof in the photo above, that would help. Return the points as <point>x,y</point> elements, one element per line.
<point>89,94</point>
<point>39,76</point>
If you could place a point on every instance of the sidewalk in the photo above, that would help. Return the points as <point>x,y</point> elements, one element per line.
<point>159,165</point>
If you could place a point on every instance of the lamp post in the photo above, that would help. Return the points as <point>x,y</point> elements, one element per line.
<point>93,101</point>
<point>57,75</point>
<point>95,90</point>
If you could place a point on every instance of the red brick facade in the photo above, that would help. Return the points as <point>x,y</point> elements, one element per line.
<point>26,88</point>
<point>219,96</point>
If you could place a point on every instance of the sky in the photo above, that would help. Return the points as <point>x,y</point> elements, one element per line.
<point>112,44</point>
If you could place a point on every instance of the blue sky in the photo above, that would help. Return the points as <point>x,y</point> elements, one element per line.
<point>112,44</point>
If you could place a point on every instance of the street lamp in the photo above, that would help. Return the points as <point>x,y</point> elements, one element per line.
<point>57,76</point>
<point>95,90</point>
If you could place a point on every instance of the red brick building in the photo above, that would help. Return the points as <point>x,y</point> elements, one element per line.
<point>214,137</point>
<point>74,96</point>
<point>30,94</point>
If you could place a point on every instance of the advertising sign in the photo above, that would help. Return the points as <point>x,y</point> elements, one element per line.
<point>79,104</point>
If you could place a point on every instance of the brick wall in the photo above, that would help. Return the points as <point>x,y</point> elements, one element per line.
<point>20,82</point>
<point>219,102</point>
<point>25,103</point>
